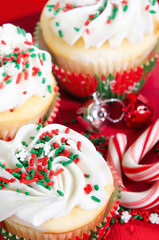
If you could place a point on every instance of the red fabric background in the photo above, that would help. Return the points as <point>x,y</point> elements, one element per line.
<point>26,14</point>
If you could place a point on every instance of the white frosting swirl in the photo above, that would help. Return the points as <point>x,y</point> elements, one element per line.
<point>97,21</point>
<point>25,70</point>
<point>74,162</point>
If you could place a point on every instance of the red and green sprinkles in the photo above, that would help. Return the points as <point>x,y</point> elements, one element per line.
<point>21,58</point>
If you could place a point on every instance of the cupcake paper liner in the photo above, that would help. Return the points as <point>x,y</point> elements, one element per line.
<point>45,117</point>
<point>98,226</point>
<point>109,85</point>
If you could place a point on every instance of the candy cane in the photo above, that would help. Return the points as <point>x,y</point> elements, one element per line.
<point>133,156</point>
<point>143,200</point>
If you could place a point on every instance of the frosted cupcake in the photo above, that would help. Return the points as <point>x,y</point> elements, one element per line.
<point>27,87</point>
<point>114,40</point>
<point>54,184</point>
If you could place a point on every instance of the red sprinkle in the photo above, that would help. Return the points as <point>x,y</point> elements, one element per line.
<point>12,180</point>
<point>4,180</point>
<point>50,183</point>
<point>58,171</point>
<point>26,74</point>
<point>56,145</point>
<point>31,163</point>
<point>79,145</point>
<point>16,169</point>
<point>28,43</point>
<point>6,78</point>
<point>3,42</point>
<point>147,7</point>
<point>88,189</point>
<point>25,92</point>
<point>76,160</point>
<point>51,174</point>
<point>87,30</point>
<point>56,6</point>
<point>87,22</point>
<point>18,78</point>
<point>67,130</point>
<point>1,85</point>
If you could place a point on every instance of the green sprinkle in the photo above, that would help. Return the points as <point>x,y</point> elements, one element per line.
<point>18,30</point>
<point>16,175</point>
<point>57,152</point>
<point>154,2</point>
<point>61,148</point>
<point>27,65</point>
<point>9,81</point>
<point>57,24</point>
<point>47,179</point>
<point>96,187</point>
<point>32,137</point>
<point>39,73</point>
<point>5,184</point>
<point>43,173</point>
<point>0,187</point>
<point>60,34</point>
<point>76,29</point>
<point>27,193</point>
<point>121,221</point>
<point>31,50</point>
<point>71,155</point>
<point>152,12</point>
<point>39,152</point>
<point>67,163</point>
<point>60,193</point>
<point>33,55</point>
<point>49,88</point>
<point>43,56</point>
<point>43,80</point>
<point>50,6</point>
<point>28,177</point>
<point>125,8</point>
<point>112,220</point>
<point>32,174</point>
<point>19,165</point>
<point>47,138</point>
<point>34,151</point>
<point>39,126</point>
<point>51,159</point>
<point>136,216</point>
<point>87,176</point>
<point>95,199</point>
<point>76,156</point>
<point>3,166</point>
<point>23,32</point>
<point>18,190</point>
<point>4,74</point>
<point>24,144</point>
<point>49,164</point>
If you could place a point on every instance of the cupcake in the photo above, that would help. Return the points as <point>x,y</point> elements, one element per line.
<point>54,185</point>
<point>108,46</point>
<point>28,90</point>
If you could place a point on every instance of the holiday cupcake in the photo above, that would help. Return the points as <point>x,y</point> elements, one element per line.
<point>28,90</point>
<point>54,185</point>
<point>108,46</point>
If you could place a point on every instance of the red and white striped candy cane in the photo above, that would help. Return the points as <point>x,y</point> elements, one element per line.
<point>133,156</point>
<point>143,200</point>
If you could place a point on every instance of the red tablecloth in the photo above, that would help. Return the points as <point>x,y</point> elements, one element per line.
<point>15,12</point>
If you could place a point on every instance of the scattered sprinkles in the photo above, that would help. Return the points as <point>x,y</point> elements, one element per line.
<point>65,7</point>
